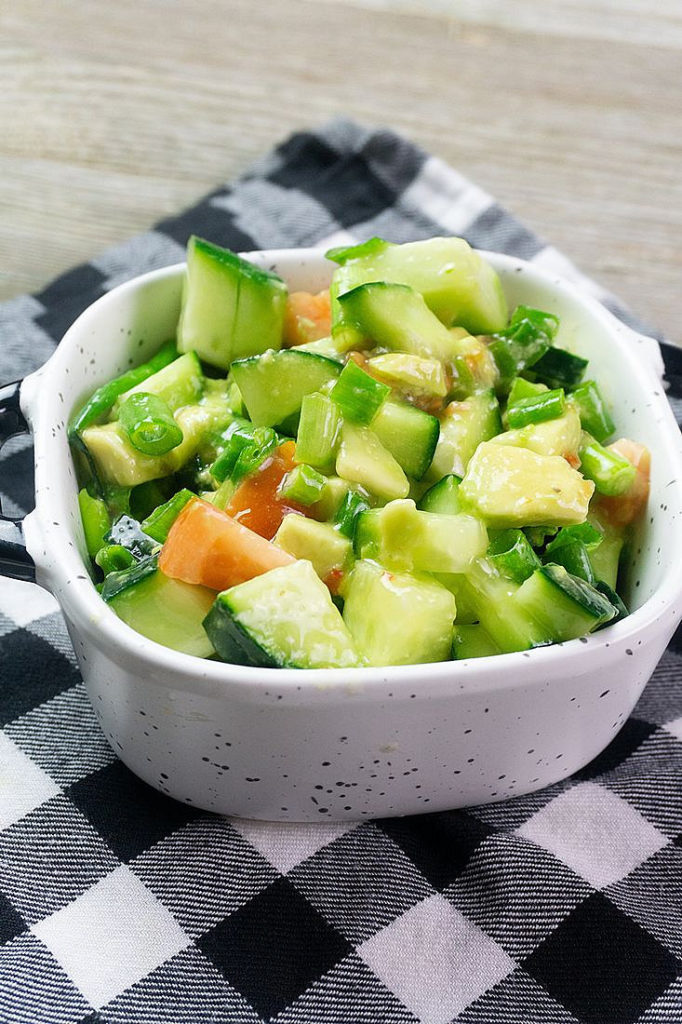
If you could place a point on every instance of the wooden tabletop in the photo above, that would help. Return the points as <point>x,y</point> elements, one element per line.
<point>113,115</point>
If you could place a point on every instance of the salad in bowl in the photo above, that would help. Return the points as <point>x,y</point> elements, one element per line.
<point>401,468</point>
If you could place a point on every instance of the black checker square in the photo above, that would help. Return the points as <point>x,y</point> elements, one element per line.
<point>11,921</point>
<point>345,185</point>
<point>208,221</point>
<point>601,965</point>
<point>129,815</point>
<point>66,298</point>
<point>274,947</point>
<point>440,845</point>
<point>361,882</point>
<point>32,671</point>
<point>622,746</point>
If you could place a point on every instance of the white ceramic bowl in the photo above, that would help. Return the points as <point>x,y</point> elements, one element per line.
<point>333,744</point>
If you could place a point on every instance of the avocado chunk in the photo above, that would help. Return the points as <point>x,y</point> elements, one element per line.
<point>516,487</point>
<point>324,547</point>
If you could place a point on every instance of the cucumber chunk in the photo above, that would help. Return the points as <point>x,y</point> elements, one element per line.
<point>443,497</point>
<point>564,605</point>
<point>230,308</point>
<point>510,487</point>
<point>470,640</point>
<point>274,384</point>
<point>396,618</point>
<point>491,597</point>
<point>396,317</point>
<point>458,285</point>
<point>167,611</point>
<point>399,536</point>
<point>283,618</point>
<point>463,426</point>
<point>409,434</point>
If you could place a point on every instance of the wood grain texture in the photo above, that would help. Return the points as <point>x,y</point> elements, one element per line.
<point>114,115</point>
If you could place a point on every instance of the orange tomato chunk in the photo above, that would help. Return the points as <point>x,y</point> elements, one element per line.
<point>257,502</point>
<point>626,508</point>
<point>207,546</point>
<point>307,317</point>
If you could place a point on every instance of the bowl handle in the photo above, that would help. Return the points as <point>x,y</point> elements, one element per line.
<point>15,560</point>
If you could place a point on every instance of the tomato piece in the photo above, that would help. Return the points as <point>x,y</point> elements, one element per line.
<point>209,547</point>
<point>307,317</point>
<point>257,503</point>
<point>626,508</point>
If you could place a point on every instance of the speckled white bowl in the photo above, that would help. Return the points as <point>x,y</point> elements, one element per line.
<point>312,745</point>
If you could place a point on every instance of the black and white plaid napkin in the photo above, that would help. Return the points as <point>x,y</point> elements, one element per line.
<point>120,906</point>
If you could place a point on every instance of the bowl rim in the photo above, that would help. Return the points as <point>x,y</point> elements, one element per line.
<point>63,573</point>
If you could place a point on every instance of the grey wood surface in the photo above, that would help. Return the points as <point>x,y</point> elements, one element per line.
<point>113,115</point>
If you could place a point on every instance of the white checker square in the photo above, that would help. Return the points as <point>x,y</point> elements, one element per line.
<point>23,785</point>
<point>674,728</point>
<point>112,936</point>
<point>23,603</point>
<point>597,834</point>
<point>443,195</point>
<point>286,844</point>
<point>435,960</point>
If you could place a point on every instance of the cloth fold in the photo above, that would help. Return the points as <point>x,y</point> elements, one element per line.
<point>118,905</point>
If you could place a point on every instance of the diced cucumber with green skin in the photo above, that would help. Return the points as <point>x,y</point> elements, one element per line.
<point>606,557</point>
<point>167,611</point>
<point>119,463</point>
<point>323,347</point>
<point>396,317</point>
<point>443,497</point>
<point>284,618</point>
<point>458,285</point>
<point>230,308</point>
<point>396,618</point>
<point>362,459</point>
<point>409,434</point>
<point>491,596</point>
<point>401,537</point>
<point>116,582</point>
<point>470,640</point>
<point>180,383</point>
<point>515,487</point>
<point>510,552</point>
<point>575,558</point>
<point>274,384</point>
<point>463,426</point>
<point>415,374</point>
<point>554,437</point>
<point>617,602</point>
<point>564,605</point>
<point>347,514</point>
<point>323,546</point>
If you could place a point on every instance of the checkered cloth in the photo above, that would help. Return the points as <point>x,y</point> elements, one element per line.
<point>120,906</point>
